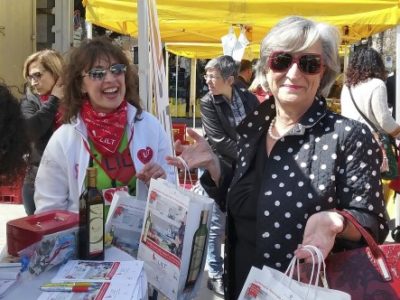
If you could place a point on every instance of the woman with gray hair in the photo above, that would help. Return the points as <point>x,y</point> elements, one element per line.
<point>298,163</point>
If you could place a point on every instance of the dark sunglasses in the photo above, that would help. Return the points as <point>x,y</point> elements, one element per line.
<point>100,73</point>
<point>35,76</point>
<point>308,63</point>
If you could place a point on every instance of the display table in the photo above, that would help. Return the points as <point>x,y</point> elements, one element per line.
<point>28,286</point>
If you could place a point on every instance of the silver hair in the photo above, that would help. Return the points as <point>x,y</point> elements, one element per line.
<point>295,34</point>
<point>225,64</point>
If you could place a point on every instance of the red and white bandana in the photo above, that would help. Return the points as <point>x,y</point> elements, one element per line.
<point>105,129</point>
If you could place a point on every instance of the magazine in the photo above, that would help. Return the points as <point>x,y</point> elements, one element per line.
<point>109,280</point>
<point>174,239</point>
<point>124,222</point>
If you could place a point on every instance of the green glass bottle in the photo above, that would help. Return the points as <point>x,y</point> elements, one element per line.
<point>91,220</point>
<point>147,227</point>
<point>198,250</point>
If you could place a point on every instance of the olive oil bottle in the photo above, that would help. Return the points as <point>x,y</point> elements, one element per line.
<point>91,220</point>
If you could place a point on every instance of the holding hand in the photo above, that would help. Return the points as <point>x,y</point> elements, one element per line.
<point>151,170</point>
<point>321,230</point>
<point>197,155</point>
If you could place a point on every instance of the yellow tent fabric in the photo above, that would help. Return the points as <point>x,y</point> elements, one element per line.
<point>194,28</point>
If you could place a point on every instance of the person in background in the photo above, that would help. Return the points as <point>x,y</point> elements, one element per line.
<point>243,80</point>
<point>222,109</point>
<point>41,108</point>
<point>14,145</point>
<point>105,127</point>
<point>297,161</point>
<point>365,76</point>
<point>260,91</point>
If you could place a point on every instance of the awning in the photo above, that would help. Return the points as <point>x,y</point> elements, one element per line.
<point>193,28</point>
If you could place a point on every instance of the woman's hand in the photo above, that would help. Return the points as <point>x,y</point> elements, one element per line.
<point>151,170</point>
<point>197,155</point>
<point>321,230</point>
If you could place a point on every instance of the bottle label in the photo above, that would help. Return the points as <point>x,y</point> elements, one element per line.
<point>96,229</point>
<point>196,257</point>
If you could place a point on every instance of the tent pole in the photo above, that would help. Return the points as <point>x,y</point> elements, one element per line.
<point>176,83</point>
<point>143,55</point>
<point>89,30</point>
<point>397,106</point>
<point>397,72</point>
<point>193,73</point>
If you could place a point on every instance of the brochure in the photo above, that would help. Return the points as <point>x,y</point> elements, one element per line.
<point>124,222</point>
<point>109,280</point>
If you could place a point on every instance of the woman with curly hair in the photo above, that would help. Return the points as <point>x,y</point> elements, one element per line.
<point>14,144</point>
<point>105,127</point>
<point>366,77</point>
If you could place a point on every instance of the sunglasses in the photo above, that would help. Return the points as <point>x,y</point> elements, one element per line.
<point>211,77</point>
<point>308,63</point>
<point>100,73</point>
<point>35,76</point>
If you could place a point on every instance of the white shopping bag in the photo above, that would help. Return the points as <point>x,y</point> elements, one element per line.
<point>174,238</point>
<point>272,284</point>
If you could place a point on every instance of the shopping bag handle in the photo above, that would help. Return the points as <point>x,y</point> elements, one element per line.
<point>186,170</point>
<point>316,254</point>
<point>376,252</point>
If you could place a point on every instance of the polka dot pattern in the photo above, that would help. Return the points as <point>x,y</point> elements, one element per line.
<point>324,162</point>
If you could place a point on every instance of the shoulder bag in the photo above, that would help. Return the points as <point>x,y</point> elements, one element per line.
<point>371,272</point>
<point>366,273</point>
<point>390,152</point>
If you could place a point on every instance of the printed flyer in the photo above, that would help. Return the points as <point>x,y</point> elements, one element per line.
<point>104,279</point>
<point>124,222</point>
<point>174,239</point>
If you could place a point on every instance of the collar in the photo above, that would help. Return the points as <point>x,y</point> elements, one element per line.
<point>262,116</point>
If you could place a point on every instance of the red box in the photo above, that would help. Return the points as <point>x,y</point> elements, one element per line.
<point>25,231</point>
<point>12,194</point>
<point>179,131</point>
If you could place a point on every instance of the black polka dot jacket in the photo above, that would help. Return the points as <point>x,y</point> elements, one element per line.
<point>326,161</point>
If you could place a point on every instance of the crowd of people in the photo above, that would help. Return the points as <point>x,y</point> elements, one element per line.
<point>276,160</point>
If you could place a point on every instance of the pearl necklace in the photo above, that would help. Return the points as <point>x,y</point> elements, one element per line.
<point>273,136</point>
<point>271,125</point>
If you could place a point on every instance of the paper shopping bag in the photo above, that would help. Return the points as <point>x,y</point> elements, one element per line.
<point>174,239</point>
<point>269,283</point>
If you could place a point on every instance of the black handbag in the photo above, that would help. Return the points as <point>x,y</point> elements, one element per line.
<point>390,152</point>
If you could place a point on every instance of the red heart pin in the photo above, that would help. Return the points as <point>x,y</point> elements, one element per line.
<point>145,155</point>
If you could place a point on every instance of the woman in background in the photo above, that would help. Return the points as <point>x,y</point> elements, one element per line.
<point>41,108</point>
<point>365,76</point>
<point>14,144</point>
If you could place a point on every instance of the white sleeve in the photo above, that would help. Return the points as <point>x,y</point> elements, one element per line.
<point>164,150</point>
<point>51,184</point>
<point>381,110</point>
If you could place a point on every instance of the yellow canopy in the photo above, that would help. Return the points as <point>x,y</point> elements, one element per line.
<point>193,28</point>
